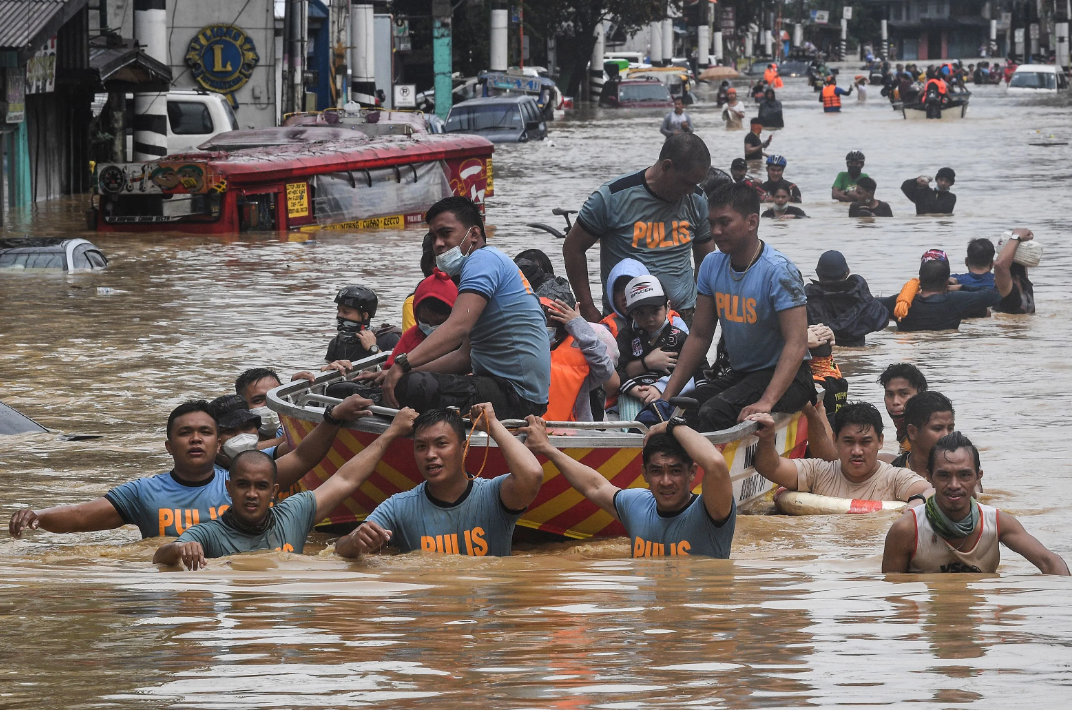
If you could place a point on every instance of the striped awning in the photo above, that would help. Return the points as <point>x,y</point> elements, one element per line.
<point>25,25</point>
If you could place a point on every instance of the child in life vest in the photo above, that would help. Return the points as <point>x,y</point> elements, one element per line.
<point>580,360</point>
<point>649,345</point>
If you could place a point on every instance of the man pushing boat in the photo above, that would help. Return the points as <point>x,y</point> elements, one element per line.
<point>666,519</point>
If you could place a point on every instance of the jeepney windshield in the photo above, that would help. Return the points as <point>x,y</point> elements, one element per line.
<point>485,117</point>
<point>650,91</point>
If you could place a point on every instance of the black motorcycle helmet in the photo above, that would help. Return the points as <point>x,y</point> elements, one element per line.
<point>359,297</point>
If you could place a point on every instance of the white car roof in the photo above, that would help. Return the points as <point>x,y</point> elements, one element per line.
<point>1051,68</point>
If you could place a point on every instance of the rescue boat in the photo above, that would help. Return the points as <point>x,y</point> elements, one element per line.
<point>607,447</point>
<point>352,183</point>
<point>957,109</point>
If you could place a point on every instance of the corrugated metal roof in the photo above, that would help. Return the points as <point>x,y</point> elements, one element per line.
<point>23,21</point>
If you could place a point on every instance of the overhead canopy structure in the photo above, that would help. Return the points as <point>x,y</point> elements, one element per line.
<point>124,66</point>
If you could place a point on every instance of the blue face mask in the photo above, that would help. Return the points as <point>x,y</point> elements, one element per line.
<point>426,329</point>
<point>450,262</point>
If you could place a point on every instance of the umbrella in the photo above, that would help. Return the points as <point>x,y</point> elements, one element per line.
<point>711,73</point>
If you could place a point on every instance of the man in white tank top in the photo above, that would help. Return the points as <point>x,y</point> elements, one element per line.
<point>955,533</point>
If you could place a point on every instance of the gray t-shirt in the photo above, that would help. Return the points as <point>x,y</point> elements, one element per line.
<point>477,525</point>
<point>631,222</point>
<point>690,532</point>
<point>294,519</point>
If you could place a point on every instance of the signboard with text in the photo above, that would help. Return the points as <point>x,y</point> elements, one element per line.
<point>728,19</point>
<point>41,70</point>
<point>15,93</point>
<point>820,17</point>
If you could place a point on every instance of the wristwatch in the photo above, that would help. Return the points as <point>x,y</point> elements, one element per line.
<point>675,422</point>
<point>922,498</point>
<point>403,362</point>
<point>330,419</point>
<point>374,349</point>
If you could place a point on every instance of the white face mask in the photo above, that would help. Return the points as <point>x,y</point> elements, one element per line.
<point>552,333</point>
<point>781,208</point>
<point>239,443</point>
<point>426,328</point>
<point>269,420</point>
<point>450,262</point>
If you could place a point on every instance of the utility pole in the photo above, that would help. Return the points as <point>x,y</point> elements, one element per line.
<point>150,110</point>
<point>442,60</point>
<point>363,52</point>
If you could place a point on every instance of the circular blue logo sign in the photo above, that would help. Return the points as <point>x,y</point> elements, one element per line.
<point>222,59</point>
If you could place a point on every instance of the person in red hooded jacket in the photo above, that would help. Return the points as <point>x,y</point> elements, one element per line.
<point>432,303</point>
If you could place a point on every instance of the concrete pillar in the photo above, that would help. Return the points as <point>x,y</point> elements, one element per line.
<point>668,41</point>
<point>843,48</point>
<point>748,44</point>
<point>768,43</point>
<point>442,58</point>
<point>885,49</point>
<point>655,53</point>
<point>993,38</point>
<point>595,69</point>
<point>716,50</point>
<point>1062,50</point>
<point>363,54</point>
<point>150,110</point>
<point>798,34</point>
<point>703,41</point>
<point>1033,31</point>
<point>499,26</point>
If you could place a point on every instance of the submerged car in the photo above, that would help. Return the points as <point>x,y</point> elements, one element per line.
<point>1037,78</point>
<point>53,254</point>
<point>636,93</point>
<point>500,119</point>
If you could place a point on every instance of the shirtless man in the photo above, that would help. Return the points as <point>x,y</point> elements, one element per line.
<point>857,474</point>
<point>955,533</point>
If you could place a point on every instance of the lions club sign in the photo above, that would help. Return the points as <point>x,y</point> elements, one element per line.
<point>222,59</point>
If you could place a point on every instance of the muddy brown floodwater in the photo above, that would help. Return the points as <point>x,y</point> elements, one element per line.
<point>800,617</point>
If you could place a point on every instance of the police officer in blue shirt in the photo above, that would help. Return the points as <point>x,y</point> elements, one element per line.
<point>666,519</point>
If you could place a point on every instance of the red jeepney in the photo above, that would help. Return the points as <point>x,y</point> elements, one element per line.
<point>385,182</point>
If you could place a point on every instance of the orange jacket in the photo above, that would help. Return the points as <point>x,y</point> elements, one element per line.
<point>830,97</point>
<point>568,372</point>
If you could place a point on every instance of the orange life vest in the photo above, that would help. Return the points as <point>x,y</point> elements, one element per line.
<point>773,80</point>
<point>830,97</point>
<point>939,84</point>
<point>568,372</point>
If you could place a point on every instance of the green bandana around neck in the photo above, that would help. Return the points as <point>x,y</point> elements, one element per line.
<point>946,527</point>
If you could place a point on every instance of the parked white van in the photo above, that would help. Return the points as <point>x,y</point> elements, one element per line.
<point>1037,78</point>
<point>193,118</point>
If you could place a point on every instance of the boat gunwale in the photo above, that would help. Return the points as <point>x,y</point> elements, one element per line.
<point>279,399</point>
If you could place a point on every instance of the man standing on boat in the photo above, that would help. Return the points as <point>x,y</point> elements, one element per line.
<point>193,491</point>
<point>657,216</point>
<point>451,511</point>
<point>757,295</point>
<point>857,474</point>
<point>496,330</point>
<point>953,532</point>
<point>666,519</point>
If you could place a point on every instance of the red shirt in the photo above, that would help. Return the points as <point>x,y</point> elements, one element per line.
<point>409,340</point>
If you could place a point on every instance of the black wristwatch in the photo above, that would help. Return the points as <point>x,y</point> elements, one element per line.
<point>330,419</point>
<point>921,497</point>
<point>374,349</point>
<point>403,362</point>
<point>675,422</point>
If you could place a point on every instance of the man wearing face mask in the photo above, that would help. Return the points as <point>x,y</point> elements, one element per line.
<point>432,303</point>
<point>239,430</point>
<point>356,340</point>
<point>253,386</point>
<point>493,347</point>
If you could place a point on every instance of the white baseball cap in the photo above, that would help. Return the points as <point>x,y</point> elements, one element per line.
<point>644,291</point>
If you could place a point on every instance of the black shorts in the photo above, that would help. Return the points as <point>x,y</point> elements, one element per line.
<point>435,390</point>
<point>722,399</point>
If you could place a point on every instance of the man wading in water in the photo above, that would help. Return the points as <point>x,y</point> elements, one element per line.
<point>451,512</point>
<point>253,523</point>
<point>955,533</point>
<point>193,491</point>
<point>665,519</point>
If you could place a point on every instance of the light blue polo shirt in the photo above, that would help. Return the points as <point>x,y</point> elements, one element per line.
<point>690,532</point>
<point>477,525</point>
<point>163,505</point>
<point>509,340</point>
<point>748,308</point>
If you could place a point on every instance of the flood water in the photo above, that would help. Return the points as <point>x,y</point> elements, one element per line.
<point>800,617</point>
